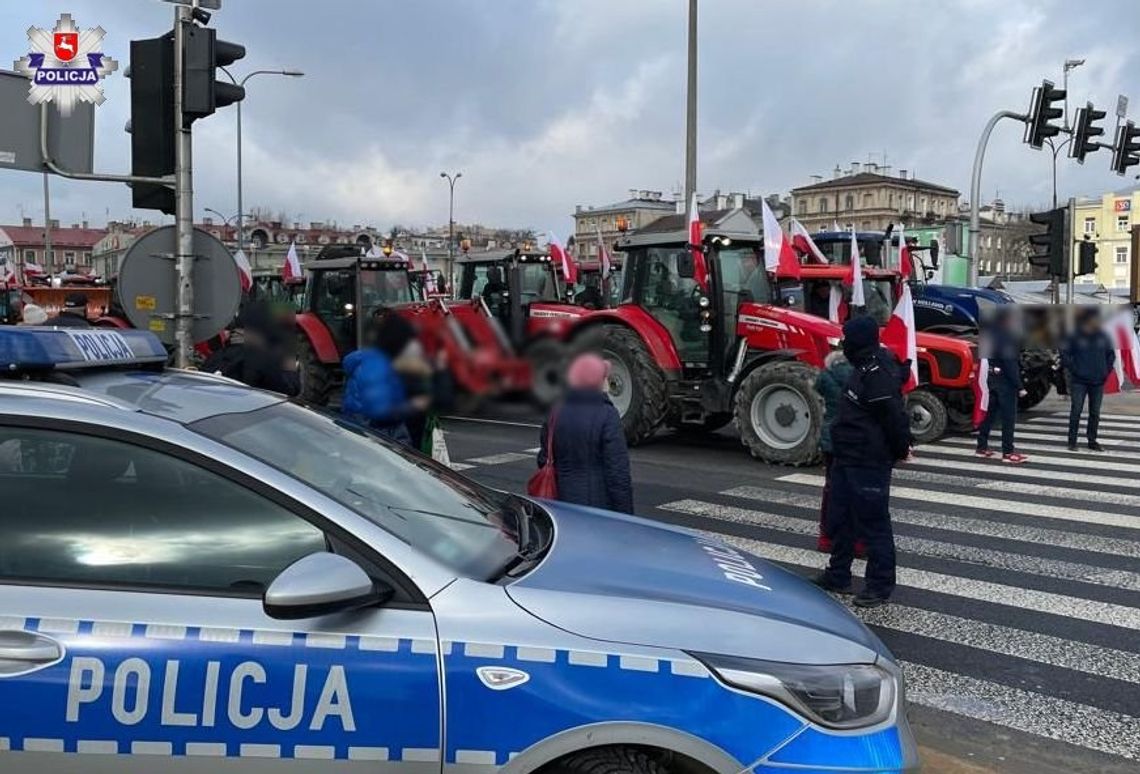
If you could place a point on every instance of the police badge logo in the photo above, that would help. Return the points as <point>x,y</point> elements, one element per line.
<point>65,65</point>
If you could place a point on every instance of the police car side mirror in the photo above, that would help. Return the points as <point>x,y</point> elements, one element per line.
<point>320,584</point>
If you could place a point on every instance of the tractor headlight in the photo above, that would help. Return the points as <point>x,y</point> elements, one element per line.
<point>703,303</point>
<point>834,342</point>
<point>840,696</point>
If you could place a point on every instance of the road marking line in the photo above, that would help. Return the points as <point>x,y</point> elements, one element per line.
<point>500,459</point>
<point>987,557</point>
<point>1059,437</point>
<point>1078,541</point>
<point>1034,713</point>
<point>1008,641</point>
<point>459,466</point>
<point>480,420</point>
<point>1091,460</point>
<point>1020,487</point>
<point>1054,449</point>
<point>953,585</point>
<point>1023,471</point>
<point>1059,512</point>
<point>1064,422</point>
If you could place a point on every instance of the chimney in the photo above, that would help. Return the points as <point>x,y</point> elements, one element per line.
<point>854,167</point>
<point>902,174</point>
<point>681,206</point>
<point>721,202</point>
<point>54,223</point>
<point>85,224</point>
<point>207,221</point>
<point>835,173</point>
<point>738,201</point>
<point>999,205</point>
<point>816,179</point>
<point>27,222</point>
<point>75,225</point>
<point>577,208</point>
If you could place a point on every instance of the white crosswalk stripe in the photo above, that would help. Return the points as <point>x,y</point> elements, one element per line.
<point>1104,424</point>
<point>1033,565</point>
<point>1021,487</point>
<point>1060,437</point>
<point>1059,512</point>
<point>1050,455</point>
<point>1032,470</point>
<point>1078,541</point>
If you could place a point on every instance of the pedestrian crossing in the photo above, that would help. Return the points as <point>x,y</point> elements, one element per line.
<point>1019,586</point>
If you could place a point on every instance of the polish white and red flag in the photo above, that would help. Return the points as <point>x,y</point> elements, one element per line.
<point>562,257</point>
<point>981,388</point>
<point>291,269</point>
<point>906,264</point>
<point>899,336</point>
<point>854,276</point>
<point>779,257</point>
<point>604,259</point>
<point>32,269</point>
<point>802,241</point>
<point>696,237</point>
<point>1127,345</point>
<point>836,306</point>
<point>244,270</point>
<point>429,275</point>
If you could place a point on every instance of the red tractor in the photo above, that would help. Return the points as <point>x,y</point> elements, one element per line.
<point>345,290</point>
<point>523,291</point>
<point>946,364</point>
<point>689,357</point>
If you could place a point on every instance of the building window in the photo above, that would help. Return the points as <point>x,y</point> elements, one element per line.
<point>868,201</point>
<point>891,201</point>
<point>922,207</point>
<point>1122,223</point>
<point>30,255</point>
<point>1090,226</point>
<point>999,243</point>
<point>1122,254</point>
<point>849,202</point>
<point>801,207</point>
<point>822,204</point>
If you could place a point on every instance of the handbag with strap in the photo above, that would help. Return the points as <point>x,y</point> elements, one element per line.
<point>544,482</point>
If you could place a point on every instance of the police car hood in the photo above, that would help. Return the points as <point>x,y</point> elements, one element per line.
<point>625,579</point>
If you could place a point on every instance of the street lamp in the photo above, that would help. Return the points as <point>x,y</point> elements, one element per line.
<point>235,81</point>
<point>1057,147</point>
<point>451,180</point>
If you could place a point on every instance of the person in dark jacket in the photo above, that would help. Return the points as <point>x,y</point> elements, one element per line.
<point>1088,356</point>
<point>870,434</point>
<point>1001,346</point>
<point>256,354</point>
<point>374,393</point>
<point>73,314</point>
<point>591,461</point>
<point>830,383</point>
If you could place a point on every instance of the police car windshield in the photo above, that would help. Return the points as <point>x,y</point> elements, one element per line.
<point>472,529</point>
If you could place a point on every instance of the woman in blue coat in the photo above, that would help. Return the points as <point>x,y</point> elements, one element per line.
<point>591,461</point>
<point>374,394</point>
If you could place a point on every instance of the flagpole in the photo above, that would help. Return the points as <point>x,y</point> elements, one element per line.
<point>691,108</point>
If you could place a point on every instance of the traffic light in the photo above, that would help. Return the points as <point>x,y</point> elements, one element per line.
<point>1086,260</point>
<point>203,92</point>
<point>1126,149</point>
<point>1041,112</point>
<point>152,120</point>
<point>1054,255</point>
<point>1085,132</point>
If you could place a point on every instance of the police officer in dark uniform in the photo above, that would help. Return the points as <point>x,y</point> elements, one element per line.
<point>871,433</point>
<point>73,314</point>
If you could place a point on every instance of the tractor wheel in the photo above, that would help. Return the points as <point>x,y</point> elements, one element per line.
<point>547,359</point>
<point>960,419</point>
<point>779,413</point>
<point>636,385</point>
<point>927,415</point>
<point>316,377</point>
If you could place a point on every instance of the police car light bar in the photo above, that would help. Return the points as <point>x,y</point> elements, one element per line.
<point>46,349</point>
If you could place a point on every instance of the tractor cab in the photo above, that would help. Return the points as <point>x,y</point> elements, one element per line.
<point>346,292</point>
<point>592,290</point>
<point>512,285</point>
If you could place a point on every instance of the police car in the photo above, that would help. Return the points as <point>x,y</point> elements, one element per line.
<point>198,576</point>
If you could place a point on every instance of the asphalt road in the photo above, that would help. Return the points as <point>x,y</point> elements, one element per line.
<point>1017,615</point>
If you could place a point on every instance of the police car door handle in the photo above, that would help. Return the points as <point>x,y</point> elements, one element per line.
<point>18,645</point>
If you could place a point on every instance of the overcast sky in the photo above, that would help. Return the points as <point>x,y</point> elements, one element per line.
<point>544,104</point>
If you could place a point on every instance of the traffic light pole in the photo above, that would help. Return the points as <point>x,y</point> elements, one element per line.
<point>1070,235</point>
<point>976,190</point>
<point>184,202</point>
